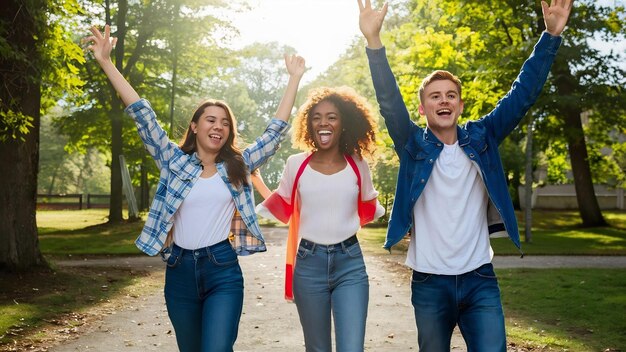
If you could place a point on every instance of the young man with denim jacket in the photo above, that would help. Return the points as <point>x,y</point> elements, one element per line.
<point>452,192</point>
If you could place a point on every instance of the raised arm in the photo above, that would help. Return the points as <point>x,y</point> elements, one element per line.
<point>295,68</point>
<point>101,47</point>
<point>257,153</point>
<point>555,16</point>
<point>532,77</point>
<point>370,23</point>
<point>392,106</point>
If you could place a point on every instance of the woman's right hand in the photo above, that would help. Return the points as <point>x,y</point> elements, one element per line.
<point>295,65</point>
<point>101,44</point>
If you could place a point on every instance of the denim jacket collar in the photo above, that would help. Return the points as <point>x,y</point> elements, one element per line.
<point>461,134</point>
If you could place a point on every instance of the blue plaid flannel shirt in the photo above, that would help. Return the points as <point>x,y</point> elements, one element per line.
<point>179,171</point>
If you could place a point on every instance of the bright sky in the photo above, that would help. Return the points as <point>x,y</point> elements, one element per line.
<point>319,30</point>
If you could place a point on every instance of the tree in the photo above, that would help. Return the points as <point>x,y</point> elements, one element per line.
<point>30,43</point>
<point>64,172</point>
<point>586,79</point>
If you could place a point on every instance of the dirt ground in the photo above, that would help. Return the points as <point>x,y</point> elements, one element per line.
<point>269,323</point>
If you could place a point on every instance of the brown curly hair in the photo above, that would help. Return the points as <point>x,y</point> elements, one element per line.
<point>360,127</point>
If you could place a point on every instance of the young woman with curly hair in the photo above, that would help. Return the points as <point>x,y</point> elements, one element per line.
<point>326,194</point>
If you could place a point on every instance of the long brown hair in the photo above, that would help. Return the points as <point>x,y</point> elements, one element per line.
<point>230,154</point>
<point>359,124</point>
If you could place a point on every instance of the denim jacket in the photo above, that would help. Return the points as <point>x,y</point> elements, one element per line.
<point>418,147</point>
<point>179,171</point>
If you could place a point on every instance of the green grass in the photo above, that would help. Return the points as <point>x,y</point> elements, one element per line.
<point>565,309</point>
<point>59,220</point>
<point>84,232</point>
<point>560,233</point>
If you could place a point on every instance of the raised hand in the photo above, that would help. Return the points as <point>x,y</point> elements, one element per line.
<point>295,68</point>
<point>555,16</point>
<point>102,44</point>
<point>295,65</point>
<point>101,47</point>
<point>370,22</point>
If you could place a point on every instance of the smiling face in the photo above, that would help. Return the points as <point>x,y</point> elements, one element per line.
<point>442,105</point>
<point>325,125</point>
<point>212,129</point>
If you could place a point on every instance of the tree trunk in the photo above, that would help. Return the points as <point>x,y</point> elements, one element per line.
<point>53,178</point>
<point>516,182</point>
<point>115,203</point>
<point>20,92</point>
<point>567,87</point>
<point>588,206</point>
<point>528,187</point>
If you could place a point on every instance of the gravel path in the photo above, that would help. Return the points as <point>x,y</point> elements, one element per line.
<point>268,322</point>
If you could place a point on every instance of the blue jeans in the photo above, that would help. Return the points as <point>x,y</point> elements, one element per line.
<point>471,300</point>
<point>204,297</point>
<point>331,278</point>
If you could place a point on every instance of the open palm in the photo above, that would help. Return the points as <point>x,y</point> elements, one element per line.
<point>101,44</point>
<point>555,16</point>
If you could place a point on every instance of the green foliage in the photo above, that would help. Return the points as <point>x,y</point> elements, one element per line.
<point>63,172</point>
<point>558,163</point>
<point>14,125</point>
<point>606,156</point>
<point>53,65</point>
<point>385,174</point>
<point>54,62</point>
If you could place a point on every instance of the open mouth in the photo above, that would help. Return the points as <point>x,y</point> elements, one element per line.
<point>444,112</point>
<point>325,136</point>
<point>215,137</point>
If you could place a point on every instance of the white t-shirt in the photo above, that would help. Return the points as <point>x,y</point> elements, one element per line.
<point>450,235</point>
<point>204,217</point>
<point>328,205</point>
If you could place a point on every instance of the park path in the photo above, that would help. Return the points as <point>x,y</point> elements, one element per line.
<point>268,322</point>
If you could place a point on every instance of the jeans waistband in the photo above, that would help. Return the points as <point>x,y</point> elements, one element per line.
<point>341,245</point>
<point>199,252</point>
